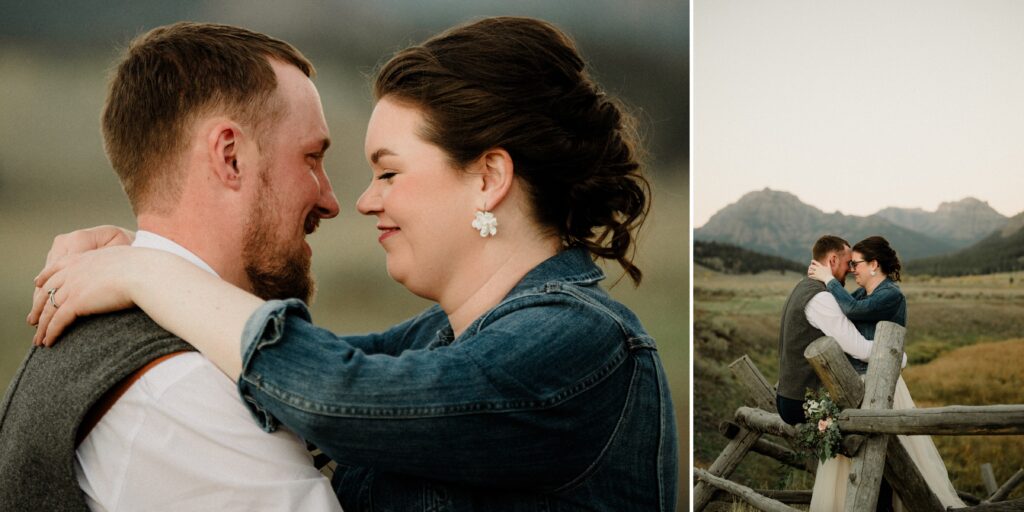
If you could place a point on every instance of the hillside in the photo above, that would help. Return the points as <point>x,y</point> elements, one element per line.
<point>961,223</point>
<point>1001,251</point>
<point>730,259</point>
<point>778,223</point>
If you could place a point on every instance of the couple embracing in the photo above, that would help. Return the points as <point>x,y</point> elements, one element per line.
<point>819,306</point>
<point>500,171</point>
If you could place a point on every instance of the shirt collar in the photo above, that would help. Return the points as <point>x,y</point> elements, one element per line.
<point>152,240</point>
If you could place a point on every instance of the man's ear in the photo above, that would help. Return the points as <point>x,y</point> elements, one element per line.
<point>222,144</point>
<point>496,178</point>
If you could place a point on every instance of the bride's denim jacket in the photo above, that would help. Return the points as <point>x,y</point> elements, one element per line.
<point>553,400</point>
<point>886,302</point>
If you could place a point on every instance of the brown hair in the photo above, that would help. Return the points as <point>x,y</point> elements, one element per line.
<point>168,77</point>
<point>520,84</point>
<point>876,248</point>
<point>827,244</point>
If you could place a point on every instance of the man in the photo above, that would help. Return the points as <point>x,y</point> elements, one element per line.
<point>218,136</point>
<point>810,313</point>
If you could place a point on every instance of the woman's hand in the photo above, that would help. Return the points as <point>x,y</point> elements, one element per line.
<point>97,281</point>
<point>820,272</point>
<point>77,242</point>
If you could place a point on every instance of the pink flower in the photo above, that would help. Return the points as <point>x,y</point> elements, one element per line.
<point>823,424</point>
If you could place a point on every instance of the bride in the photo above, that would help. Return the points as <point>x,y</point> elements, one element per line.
<point>876,268</point>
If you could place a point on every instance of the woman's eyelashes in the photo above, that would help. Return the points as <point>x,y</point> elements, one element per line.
<point>386,175</point>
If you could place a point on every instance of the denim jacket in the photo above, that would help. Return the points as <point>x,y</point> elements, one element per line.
<point>553,400</point>
<point>887,303</point>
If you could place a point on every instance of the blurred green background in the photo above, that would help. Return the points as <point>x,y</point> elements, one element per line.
<point>54,61</point>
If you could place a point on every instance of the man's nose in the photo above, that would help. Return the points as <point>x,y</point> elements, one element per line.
<point>327,205</point>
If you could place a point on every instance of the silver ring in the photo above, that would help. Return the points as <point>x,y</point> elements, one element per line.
<point>51,292</point>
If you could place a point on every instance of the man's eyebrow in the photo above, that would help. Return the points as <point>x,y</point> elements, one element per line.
<point>382,152</point>
<point>326,143</point>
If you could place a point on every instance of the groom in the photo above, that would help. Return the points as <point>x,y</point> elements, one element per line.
<point>218,136</point>
<point>810,313</point>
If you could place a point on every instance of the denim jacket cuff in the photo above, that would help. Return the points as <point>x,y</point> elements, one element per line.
<point>265,327</point>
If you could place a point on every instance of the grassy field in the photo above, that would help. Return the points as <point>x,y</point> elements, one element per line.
<point>963,340</point>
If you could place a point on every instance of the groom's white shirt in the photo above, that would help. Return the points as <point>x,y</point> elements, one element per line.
<point>180,439</point>
<point>823,312</point>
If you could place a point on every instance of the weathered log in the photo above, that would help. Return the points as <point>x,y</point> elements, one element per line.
<point>759,391</point>
<point>724,465</point>
<point>968,498</point>
<point>764,422</point>
<point>963,420</point>
<point>743,492</point>
<point>988,477</point>
<point>1007,487</point>
<point>883,371</point>
<point>794,497</point>
<point>762,395</point>
<point>789,497</point>
<point>770,449</point>
<point>1015,505</point>
<point>835,372</point>
<point>907,482</point>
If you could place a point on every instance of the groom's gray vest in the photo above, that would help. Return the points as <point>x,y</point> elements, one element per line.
<point>50,395</point>
<point>795,333</point>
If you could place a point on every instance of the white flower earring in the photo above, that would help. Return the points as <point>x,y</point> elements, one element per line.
<point>872,272</point>
<point>486,223</point>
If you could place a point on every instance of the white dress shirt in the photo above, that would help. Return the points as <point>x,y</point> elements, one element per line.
<point>180,439</point>
<point>823,313</point>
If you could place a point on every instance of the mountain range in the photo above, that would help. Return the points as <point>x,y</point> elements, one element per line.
<point>962,237</point>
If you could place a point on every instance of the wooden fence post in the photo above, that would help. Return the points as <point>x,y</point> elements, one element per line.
<point>883,371</point>
<point>847,390</point>
<point>743,492</point>
<point>762,395</point>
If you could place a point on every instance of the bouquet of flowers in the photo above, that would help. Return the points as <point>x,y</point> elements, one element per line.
<point>821,432</point>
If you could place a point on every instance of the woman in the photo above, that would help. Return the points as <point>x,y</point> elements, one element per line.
<point>526,387</point>
<point>876,269</point>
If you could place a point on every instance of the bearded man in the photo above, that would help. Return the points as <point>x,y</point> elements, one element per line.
<point>217,135</point>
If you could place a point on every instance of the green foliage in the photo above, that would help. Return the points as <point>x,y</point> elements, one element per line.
<point>995,253</point>
<point>731,259</point>
<point>820,434</point>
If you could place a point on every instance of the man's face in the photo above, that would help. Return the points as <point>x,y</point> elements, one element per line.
<point>839,262</point>
<point>294,192</point>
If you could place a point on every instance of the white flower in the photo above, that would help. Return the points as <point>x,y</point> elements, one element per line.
<point>486,223</point>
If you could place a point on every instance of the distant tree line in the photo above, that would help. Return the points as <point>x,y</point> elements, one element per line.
<point>730,259</point>
<point>992,255</point>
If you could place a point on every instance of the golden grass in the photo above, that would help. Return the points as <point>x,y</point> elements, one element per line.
<point>982,374</point>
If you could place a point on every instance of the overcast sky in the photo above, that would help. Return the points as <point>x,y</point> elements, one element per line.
<point>856,106</point>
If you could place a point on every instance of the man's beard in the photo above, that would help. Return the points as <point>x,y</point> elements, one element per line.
<point>275,269</point>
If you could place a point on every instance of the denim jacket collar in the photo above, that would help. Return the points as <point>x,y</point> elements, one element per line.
<point>886,283</point>
<point>570,266</point>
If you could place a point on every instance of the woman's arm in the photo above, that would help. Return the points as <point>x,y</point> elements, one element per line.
<point>881,305</point>
<point>187,301</point>
<point>554,390</point>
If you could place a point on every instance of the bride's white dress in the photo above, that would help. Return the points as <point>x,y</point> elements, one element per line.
<point>832,476</point>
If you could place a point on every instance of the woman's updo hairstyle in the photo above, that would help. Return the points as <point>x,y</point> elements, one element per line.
<point>876,248</point>
<point>521,85</point>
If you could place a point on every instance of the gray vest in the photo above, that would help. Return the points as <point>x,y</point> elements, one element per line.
<point>51,394</point>
<point>795,333</point>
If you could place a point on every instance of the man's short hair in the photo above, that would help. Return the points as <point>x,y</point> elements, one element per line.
<point>827,244</point>
<point>171,75</point>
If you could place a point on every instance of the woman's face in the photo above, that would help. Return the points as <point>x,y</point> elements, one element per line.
<point>861,269</point>
<point>424,206</point>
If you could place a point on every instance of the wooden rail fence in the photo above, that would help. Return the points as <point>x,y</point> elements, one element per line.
<point>867,422</point>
